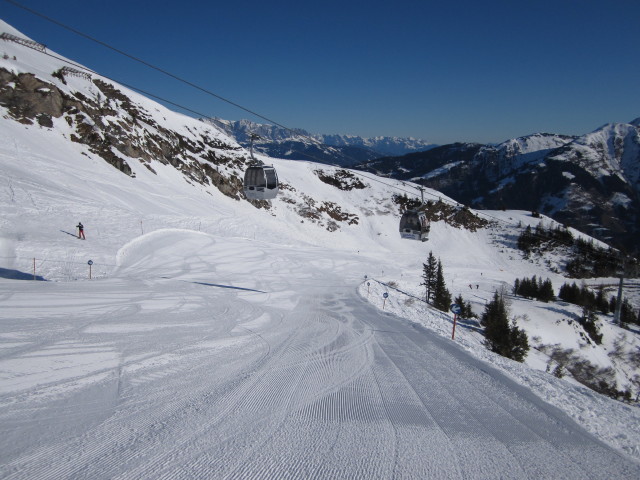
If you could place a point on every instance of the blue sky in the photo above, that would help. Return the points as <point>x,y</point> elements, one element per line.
<point>441,71</point>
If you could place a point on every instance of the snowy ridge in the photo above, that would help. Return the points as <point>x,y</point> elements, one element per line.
<point>514,154</point>
<point>270,133</point>
<point>218,339</point>
<point>384,145</point>
<point>611,149</point>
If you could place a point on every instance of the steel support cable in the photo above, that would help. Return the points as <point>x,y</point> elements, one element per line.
<point>360,173</point>
<point>176,77</point>
<point>124,84</point>
<point>150,65</point>
<point>187,82</point>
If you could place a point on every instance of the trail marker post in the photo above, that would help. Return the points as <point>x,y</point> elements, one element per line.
<point>455,309</point>
<point>90,262</point>
<point>384,295</point>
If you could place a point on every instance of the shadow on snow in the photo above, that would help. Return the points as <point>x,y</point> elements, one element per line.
<point>222,286</point>
<point>228,286</point>
<point>18,275</point>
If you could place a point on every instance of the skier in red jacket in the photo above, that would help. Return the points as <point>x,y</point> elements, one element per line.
<point>80,228</point>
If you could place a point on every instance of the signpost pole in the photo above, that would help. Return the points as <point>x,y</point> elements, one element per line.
<point>453,332</point>
<point>455,309</point>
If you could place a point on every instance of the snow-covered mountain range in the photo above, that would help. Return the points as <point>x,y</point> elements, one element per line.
<point>215,324</point>
<point>298,144</point>
<point>589,182</point>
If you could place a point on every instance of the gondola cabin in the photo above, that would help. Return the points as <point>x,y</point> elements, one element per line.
<point>414,225</point>
<point>260,182</point>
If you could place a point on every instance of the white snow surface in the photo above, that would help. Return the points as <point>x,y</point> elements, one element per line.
<point>217,340</point>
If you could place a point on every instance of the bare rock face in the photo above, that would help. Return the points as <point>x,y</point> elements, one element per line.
<point>117,129</point>
<point>27,98</point>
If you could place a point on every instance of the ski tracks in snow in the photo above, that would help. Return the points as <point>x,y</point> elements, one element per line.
<point>484,424</point>
<point>218,383</point>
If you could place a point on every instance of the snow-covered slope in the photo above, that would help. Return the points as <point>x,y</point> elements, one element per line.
<point>175,216</point>
<point>588,182</point>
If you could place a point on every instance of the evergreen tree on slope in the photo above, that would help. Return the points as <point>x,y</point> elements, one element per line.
<point>442,297</point>
<point>429,271</point>
<point>501,337</point>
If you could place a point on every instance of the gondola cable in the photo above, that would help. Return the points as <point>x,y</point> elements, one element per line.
<point>361,173</point>
<point>204,90</point>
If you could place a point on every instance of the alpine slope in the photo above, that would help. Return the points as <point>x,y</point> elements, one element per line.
<point>192,362</point>
<point>193,335</point>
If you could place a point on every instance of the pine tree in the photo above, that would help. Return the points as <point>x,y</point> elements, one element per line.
<point>545,294</point>
<point>501,337</point>
<point>429,273</point>
<point>518,343</point>
<point>465,307</point>
<point>495,323</point>
<point>442,297</point>
<point>587,297</point>
<point>626,313</point>
<point>569,293</point>
<point>467,311</point>
<point>582,296</point>
<point>612,303</point>
<point>534,288</point>
<point>588,322</point>
<point>526,240</point>
<point>601,303</point>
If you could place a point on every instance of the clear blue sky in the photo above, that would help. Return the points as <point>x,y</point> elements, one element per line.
<point>443,71</point>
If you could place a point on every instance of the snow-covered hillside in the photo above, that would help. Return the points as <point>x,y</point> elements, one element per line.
<point>611,149</point>
<point>589,182</point>
<point>203,307</point>
<point>513,154</point>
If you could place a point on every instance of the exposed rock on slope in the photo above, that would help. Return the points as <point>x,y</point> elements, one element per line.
<point>117,129</point>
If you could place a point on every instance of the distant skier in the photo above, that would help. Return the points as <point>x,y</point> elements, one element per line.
<point>80,228</point>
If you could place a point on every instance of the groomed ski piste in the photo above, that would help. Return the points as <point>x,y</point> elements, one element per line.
<point>217,340</point>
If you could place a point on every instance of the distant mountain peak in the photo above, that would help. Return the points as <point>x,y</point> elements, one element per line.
<point>377,146</point>
<point>590,182</point>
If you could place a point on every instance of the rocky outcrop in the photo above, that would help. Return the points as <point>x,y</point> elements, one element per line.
<point>342,179</point>
<point>458,216</point>
<point>116,129</point>
<point>29,99</point>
